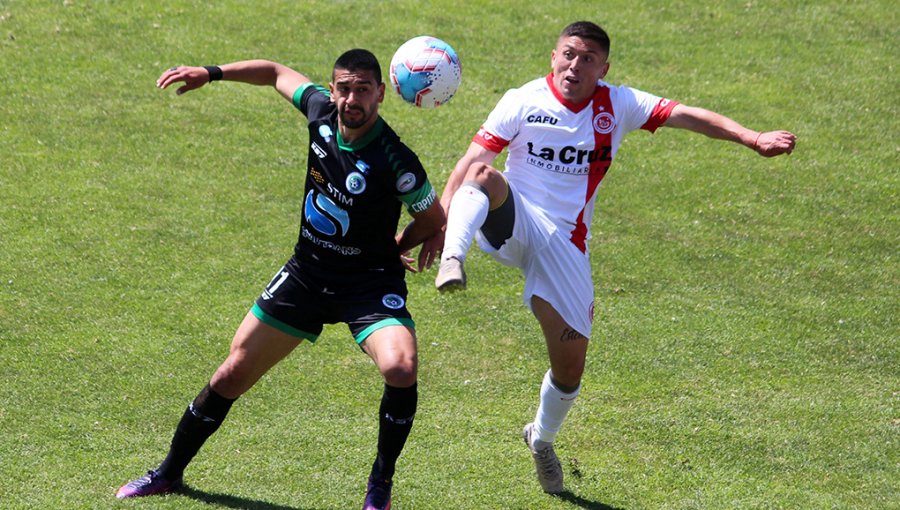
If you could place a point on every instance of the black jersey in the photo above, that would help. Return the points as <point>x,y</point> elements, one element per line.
<point>354,193</point>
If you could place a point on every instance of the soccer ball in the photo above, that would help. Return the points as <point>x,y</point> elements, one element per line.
<point>425,71</point>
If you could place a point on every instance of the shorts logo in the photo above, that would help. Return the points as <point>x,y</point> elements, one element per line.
<point>393,301</point>
<point>406,182</point>
<point>604,123</point>
<point>325,132</point>
<point>355,183</point>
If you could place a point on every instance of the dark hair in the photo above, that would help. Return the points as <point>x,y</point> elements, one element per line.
<point>587,30</point>
<point>358,60</point>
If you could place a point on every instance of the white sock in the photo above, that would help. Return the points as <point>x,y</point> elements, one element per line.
<point>468,210</point>
<point>552,411</point>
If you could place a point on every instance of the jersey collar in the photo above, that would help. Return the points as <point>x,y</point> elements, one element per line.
<point>373,133</point>
<point>565,102</point>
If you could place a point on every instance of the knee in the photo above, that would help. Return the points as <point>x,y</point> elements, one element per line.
<point>400,372</point>
<point>568,376</point>
<point>231,380</point>
<point>479,172</point>
<point>489,180</point>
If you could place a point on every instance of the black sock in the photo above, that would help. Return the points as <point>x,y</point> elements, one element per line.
<point>398,408</point>
<point>199,421</point>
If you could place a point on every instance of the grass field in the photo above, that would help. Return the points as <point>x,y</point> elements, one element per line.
<point>745,351</point>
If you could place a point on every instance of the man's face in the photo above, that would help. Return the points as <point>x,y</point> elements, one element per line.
<point>356,95</point>
<point>577,65</point>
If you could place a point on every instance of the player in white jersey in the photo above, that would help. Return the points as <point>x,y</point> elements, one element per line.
<point>562,133</point>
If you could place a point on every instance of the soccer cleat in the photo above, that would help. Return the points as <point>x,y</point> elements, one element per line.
<point>546,463</point>
<point>148,485</point>
<point>378,495</point>
<point>451,275</point>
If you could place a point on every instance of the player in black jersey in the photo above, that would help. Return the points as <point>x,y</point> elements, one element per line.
<point>348,264</point>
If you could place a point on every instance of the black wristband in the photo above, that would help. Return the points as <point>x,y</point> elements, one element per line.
<point>215,72</point>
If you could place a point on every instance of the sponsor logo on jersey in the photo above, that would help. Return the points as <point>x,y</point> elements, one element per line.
<point>393,301</point>
<point>324,215</point>
<point>355,183</point>
<point>318,150</point>
<point>316,175</point>
<point>326,132</point>
<point>541,119</point>
<point>604,123</point>
<point>340,197</point>
<point>343,250</point>
<point>406,182</point>
<point>569,155</point>
<point>362,166</point>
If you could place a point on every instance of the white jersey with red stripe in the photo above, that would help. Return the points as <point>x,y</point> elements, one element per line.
<point>560,151</point>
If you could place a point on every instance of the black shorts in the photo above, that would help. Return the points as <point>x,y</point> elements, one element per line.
<point>300,300</point>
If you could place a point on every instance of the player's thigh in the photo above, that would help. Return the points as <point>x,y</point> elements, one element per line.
<point>566,347</point>
<point>394,351</point>
<point>255,349</point>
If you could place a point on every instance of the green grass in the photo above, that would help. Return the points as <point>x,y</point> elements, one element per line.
<point>745,350</point>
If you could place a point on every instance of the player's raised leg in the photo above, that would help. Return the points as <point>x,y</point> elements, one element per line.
<point>393,349</point>
<point>255,349</point>
<point>567,350</point>
<point>483,190</point>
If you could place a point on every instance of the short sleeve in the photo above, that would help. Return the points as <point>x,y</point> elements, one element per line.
<point>642,109</point>
<point>311,99</point>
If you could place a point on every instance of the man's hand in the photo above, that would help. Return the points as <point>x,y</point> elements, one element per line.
<point>773,143</point>
<point>193,78</point>
<point>429,251</point>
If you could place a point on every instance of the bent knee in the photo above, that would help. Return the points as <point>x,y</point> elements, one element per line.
<point>401,373</point>
<point>478,171</point>
<point>490,180</point>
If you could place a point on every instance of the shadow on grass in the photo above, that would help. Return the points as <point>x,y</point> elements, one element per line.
<point>230,501</point>
<point>583,503</point>
<point>239,503</point>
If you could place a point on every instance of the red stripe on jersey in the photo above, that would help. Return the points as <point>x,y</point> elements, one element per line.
<point>603,122</point>
<point>660,114</point>
<point>490,141</point>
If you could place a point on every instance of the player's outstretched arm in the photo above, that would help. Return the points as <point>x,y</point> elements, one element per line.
<point>255,72</point>
<point>720,127</point>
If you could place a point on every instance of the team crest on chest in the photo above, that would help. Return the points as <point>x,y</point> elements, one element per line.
<point>604,123</point>
<point>355,183</point>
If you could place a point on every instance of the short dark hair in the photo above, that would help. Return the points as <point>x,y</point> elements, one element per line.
<point>587,30</point>
<point>358,60</point>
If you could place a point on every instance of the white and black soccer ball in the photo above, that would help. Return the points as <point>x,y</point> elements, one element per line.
<point>425,71</point>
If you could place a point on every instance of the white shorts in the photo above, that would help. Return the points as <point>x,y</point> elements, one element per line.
<point>555,269</point>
